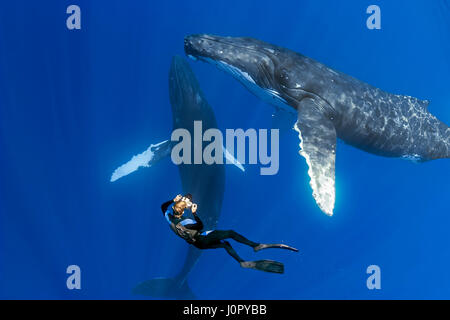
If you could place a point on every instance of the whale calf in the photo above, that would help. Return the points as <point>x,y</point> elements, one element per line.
<point>329,105</point>
<point>205,182</point>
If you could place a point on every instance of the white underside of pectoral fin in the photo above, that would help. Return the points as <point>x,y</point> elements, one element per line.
<point>318,146</point>
<point>153,154</point>
<point>232,160</point>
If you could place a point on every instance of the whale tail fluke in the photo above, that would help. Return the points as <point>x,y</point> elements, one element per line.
<point>168,288</point>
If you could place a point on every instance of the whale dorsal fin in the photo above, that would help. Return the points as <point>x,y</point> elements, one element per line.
<point>318,146</point>
<point>416,101</point>
<point>423,103</point>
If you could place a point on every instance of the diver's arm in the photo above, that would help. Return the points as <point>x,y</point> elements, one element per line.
<point>199,224</point>
<point>166,205</point>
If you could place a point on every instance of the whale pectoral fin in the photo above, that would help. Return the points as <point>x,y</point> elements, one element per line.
<point>231,159</point>
<point>149,157</point>
<point>318,146</point>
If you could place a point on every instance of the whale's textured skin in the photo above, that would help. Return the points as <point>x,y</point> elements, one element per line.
<point>330,105</point>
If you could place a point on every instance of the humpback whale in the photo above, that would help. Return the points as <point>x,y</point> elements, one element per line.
<point>205,182</point>
<point>329,105</point>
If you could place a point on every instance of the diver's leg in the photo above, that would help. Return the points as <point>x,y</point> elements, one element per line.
<point>263,265</point>
<point>227,246</point>
<point>218,235</point>
<point>231,252</point>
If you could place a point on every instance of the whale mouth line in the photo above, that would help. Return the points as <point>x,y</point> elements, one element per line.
<point>197,54</point>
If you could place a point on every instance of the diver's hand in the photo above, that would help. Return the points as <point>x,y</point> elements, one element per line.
<point>177,198</point>
<point>194,208</point>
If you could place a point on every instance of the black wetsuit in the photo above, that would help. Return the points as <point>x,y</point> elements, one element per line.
<point>212,239</point>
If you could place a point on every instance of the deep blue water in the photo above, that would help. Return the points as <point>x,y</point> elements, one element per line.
<point>74,105</point>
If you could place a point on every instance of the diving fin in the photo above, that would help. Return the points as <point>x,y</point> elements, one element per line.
<point>164,288</point>
<point>264,265</point>
<point>274,245</point>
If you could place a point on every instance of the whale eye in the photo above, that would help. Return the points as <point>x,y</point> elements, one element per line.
<point>283,77</point>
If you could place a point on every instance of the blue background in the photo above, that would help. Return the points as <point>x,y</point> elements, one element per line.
<point>75,104</point>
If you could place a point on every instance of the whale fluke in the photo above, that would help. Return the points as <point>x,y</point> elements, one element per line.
<point>164,288</point>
